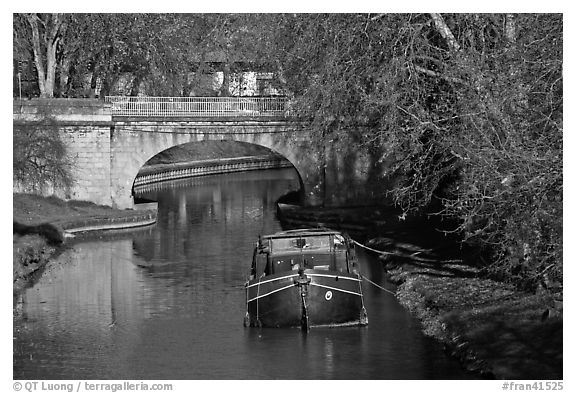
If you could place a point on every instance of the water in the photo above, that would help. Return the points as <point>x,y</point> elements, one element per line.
<point>167,302</point>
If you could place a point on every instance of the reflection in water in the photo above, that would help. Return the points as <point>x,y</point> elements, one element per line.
<point>168,303</point>
<point>329,358</point>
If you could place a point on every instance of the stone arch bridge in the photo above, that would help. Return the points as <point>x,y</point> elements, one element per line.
<point>109,145</point>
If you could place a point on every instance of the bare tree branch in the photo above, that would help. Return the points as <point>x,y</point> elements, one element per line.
<point>438,75</point>
<point>445,32</point>
<point>510,28</point>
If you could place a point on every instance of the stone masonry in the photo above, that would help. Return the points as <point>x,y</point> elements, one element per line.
<point>135,142</point>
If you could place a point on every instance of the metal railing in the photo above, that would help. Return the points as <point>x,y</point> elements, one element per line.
<point>198,106</point>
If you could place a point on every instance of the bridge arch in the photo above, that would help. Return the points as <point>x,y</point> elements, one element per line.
<point>133,143</point>
<point>189,157</point>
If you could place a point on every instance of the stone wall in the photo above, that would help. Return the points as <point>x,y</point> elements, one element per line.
<point>82,110</point>
<point>89,148</point>
<point>84,126</point>
<point>355,175</point>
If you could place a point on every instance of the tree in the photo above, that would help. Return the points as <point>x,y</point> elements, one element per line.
<point>466,108</point>
<point>40,160</point>
<point>236,42</point>
<point>159,51</point>
<point>46,33</point>
<point>99,47</point>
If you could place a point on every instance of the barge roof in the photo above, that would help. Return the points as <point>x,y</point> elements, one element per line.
<point>301,233</point>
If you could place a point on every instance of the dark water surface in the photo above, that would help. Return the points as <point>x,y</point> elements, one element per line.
<point>167,302</point>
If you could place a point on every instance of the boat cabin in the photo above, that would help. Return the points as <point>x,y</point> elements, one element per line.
<point>302,249</point>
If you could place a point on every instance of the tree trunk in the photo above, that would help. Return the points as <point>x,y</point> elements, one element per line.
<point>135,88</point>
<point>225,89</point>
<point>50,70</point>
<point>280,75</point>
<point>93,84</point>
<point>510,29</point>
<point>45,44</point>
<point>36,47</point>
<point>445,32</point>
<point>64,77</point>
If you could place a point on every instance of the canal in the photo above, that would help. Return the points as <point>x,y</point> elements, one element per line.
<point>167,302</point>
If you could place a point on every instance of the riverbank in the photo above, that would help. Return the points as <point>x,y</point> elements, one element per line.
<point>157,173</point>
<point>41,225</point>
<point>493,328</point>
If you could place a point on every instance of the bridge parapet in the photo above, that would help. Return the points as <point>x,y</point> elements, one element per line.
<point>81,110</point>
<point>209,107</point>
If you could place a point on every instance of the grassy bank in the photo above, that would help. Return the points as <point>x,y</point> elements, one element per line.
<point>39,225</point>
<point>490,326</point>
<point>30,254</point>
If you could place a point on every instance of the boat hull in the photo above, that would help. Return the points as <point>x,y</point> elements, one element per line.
<point>311,298</point>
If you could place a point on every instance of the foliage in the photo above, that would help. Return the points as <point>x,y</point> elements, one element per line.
<point>166,54</point>
<point>148,46</point>
<point>40,161</point>
<point>467,108</point>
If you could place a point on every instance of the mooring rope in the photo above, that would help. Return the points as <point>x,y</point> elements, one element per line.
<point>373,249</point>
<point>366,278</point>
<point>378,286</point>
